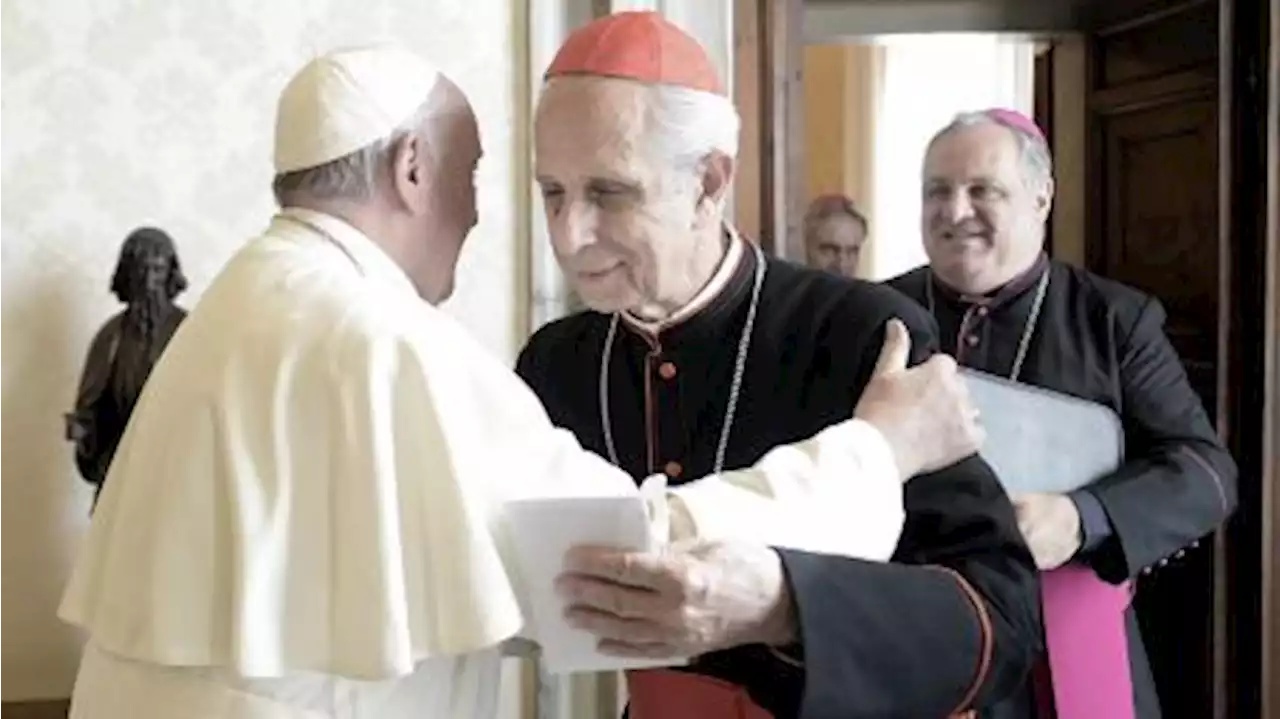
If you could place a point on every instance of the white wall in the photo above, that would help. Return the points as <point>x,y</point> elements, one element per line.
<point>119,113</point>
<point>926,80</point>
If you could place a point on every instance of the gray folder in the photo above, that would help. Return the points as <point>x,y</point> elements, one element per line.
<point>1039,440</point>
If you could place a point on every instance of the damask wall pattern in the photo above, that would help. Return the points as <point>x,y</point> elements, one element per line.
<point>118,113</point>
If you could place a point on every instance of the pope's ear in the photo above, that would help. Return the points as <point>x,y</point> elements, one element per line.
<point>409,178</point>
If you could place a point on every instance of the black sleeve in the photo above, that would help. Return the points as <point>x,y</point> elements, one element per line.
<point>532,364</point>
<point>1178,483</point>
<point>525,365</point>
<point>950,624</point>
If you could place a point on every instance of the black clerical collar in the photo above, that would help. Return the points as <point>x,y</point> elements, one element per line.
<point>730,289</point>
<point>1001,296</point>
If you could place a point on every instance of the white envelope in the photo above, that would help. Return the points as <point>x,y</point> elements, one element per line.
<point>542,530</point>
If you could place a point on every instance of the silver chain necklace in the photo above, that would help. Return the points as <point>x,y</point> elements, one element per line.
<point>739,368</point>
<point>1028,329</point>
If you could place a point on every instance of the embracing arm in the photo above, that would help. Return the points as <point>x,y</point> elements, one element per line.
<point>838,492</point>
<point>950,624</point>
<point>790,494</point>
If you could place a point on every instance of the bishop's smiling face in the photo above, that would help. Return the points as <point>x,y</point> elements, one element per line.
<point>621,222</point>
<point>982,213</point>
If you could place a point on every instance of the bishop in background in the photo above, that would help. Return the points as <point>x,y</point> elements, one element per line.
<point>1005,308</point>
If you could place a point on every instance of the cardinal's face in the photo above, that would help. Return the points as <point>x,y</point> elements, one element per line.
<point>621,221</point>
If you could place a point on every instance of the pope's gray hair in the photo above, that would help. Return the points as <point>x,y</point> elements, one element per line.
<point>352,177</point>
<point>1033,151</point>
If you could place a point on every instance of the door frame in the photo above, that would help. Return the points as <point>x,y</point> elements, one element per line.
<point>768,88</point>
<point>1271,418</point>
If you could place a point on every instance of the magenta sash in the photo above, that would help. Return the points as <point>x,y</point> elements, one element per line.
<point>1088,649</point>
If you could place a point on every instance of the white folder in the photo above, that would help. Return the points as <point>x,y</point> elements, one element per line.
<point>1039,440</point>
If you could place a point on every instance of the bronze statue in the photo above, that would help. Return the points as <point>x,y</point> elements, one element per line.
<point>147,279</point>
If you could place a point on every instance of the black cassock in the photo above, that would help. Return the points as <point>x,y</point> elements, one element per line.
<point>1103,341</point>
<point>952,623</point>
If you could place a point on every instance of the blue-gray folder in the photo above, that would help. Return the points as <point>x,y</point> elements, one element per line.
<point>1039,440</point>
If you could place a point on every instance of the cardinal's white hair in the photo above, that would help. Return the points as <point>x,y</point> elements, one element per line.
<point>686,125</point>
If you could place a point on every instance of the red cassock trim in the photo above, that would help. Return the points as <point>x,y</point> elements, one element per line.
<point>987,641</point>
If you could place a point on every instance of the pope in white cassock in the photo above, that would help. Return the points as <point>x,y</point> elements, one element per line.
<point>304,517</point>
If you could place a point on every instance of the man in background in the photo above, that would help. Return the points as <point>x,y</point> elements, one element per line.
<point>834,233</point>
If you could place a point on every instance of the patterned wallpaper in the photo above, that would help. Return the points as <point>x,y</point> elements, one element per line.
<point>118,113</point>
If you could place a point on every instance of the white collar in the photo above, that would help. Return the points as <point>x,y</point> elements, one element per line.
<point>369,258</point>
<point>719,280</point>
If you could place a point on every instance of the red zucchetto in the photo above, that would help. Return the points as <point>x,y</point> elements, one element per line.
<point>641,46</point>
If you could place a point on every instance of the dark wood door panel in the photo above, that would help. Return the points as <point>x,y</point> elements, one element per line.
<point>1177,113</point>
<point>1153,205</point>
<point>1166,41</point>
<point>1175,612</point>
<point>1161,220</point>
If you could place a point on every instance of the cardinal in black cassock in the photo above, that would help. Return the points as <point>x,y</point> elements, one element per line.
<point>1003,307</point>
<point>700,354</point>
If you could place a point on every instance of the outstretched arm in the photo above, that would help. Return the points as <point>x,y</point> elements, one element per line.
<point>839,491</point>
<point>951,624</point>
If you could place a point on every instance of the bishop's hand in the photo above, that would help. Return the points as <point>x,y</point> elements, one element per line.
<point>924,412</point>
<point>687,600</point>
<point>1051,525</point>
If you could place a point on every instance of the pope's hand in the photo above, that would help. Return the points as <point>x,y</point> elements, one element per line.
<point>924,412</point>
<point>687,600</point>
<point>1051,525</point>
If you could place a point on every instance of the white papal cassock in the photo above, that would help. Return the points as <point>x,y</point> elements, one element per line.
<point>304,517</point>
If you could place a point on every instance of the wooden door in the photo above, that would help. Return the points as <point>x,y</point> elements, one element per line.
<point>1152,177</point>
<point>769,92</point>
<point>1270,460</point>
<point>1043,115</point>
<point>1248,338</point>
<point>1176,172</point>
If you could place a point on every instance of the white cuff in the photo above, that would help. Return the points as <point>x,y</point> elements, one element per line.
<point>653,490</point>
<point>873,450</point>
<point>839,492</point>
